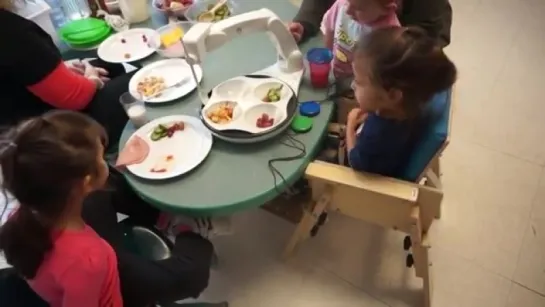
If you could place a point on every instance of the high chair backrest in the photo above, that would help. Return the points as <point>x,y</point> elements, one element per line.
<point>433,139</point>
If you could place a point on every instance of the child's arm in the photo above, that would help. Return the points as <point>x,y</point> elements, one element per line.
<point>355,118</point>
<point>328,40</point>
<point>378,148</point>
<point>328,24</point>
<point>365,151</point>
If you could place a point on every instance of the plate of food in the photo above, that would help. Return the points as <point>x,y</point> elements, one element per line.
<point>247,104</point>
<point>128,46</point>
<point>164,81</point>
<point>166,147</point>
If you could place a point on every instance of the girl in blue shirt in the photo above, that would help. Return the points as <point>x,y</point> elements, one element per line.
<point>396,72</point>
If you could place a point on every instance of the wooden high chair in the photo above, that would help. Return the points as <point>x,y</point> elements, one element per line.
<point>408,204</point>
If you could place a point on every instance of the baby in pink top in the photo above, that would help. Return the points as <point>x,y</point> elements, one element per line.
<point>346,20</point>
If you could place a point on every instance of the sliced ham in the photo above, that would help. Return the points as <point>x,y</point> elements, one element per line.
<point>135,151</point>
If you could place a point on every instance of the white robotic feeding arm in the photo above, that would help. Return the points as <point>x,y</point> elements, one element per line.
<point>205,37</point>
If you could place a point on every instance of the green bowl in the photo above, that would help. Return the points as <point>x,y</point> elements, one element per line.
<point>85,31</point>
<point>87,46</point>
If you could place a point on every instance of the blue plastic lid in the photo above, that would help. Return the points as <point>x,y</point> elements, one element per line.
<point>309,108</point>
<point>319,55</point>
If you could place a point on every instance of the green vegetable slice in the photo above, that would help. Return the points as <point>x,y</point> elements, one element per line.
<point>156,136</point>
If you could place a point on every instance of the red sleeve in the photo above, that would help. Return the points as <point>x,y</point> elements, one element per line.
<point>64,89</point>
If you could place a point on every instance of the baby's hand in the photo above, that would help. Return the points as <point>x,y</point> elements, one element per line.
<point>355,118</point>
<point>296,29</point>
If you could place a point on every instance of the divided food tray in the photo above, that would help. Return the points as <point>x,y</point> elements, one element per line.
<point>239,104</point>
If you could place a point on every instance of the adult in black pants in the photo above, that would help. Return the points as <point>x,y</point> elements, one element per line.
<point>145,282</point>
<point>34,79</point>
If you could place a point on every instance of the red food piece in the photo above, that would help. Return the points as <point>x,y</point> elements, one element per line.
<point>175,127</point>
<point>178,126</point>
<point>135,151</point>
<point>264,121</point>
<point>161,170</point>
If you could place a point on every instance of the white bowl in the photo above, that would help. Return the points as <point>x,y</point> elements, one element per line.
<point>180,12</point>
<point>261,91</point>
<point>231,89</point>
<point>201,6</point>
<point>237,112</point>
<point>255,112</point>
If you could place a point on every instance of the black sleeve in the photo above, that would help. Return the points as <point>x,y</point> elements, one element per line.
<point>29,56</point>
<point>310,15</point>
<point>434,16</point>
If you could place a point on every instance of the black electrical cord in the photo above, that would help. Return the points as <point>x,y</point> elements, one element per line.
<point>291,142</point>
<point>333,93</point>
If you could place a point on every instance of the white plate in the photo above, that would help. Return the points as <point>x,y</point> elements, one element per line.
<point>172,70</point>
<point>131,42</point>
<point>188,147</point>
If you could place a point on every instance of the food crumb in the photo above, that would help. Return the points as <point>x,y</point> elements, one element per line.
<point>123,41</point>
<point>127,55</point>
<point>160,170</point>
<point>144,38</point>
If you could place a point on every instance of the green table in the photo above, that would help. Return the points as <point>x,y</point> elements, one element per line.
<point>234,177</point>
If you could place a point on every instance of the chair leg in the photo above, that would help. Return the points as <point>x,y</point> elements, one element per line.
<point>436,167</point>
<point>309,219</point>
<point>423,267</point>
<point>420,254</point>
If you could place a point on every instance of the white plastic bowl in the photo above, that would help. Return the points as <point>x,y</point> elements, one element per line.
<point>180,12</point>
<point>201,6</point>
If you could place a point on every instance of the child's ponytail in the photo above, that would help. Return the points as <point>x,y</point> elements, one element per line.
<point>42,162</point>
<point>24,238</point>
<point>25,241</point>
